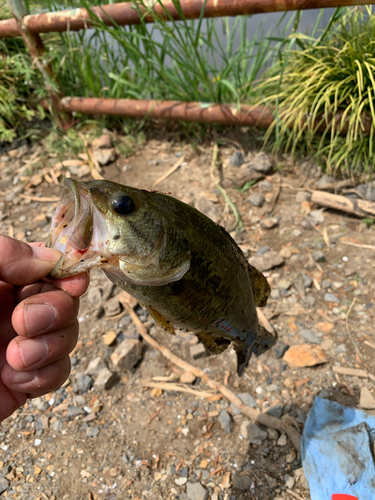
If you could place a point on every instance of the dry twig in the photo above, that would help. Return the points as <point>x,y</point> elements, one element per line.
<point>256,416</point>
<point>156,413</point>
<point>168,386</point>
<point>168,172</point>
<point>350,244</point>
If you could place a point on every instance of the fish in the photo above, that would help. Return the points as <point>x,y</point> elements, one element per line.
<point>179,264</point>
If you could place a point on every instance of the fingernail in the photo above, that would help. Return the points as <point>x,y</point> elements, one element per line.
<point>33,350</point>
<point>43,253</point>
<point>18,378</point>
<point>38,317</point>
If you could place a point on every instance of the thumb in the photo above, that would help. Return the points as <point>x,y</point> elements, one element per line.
<point>22,264</point>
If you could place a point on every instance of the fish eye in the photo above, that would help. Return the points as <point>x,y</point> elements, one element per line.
<point>123,205</point>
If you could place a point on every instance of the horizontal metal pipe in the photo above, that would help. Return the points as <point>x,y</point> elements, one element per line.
<point>226,114</point>
<point>125,14</point>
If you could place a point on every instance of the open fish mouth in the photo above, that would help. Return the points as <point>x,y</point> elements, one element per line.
<point>72,231</point>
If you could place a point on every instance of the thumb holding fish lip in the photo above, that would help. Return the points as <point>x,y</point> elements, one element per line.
<point>22,264</point>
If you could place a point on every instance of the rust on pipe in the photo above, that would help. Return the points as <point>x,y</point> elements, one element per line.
<point>225,114</point>
<point>125,14</point>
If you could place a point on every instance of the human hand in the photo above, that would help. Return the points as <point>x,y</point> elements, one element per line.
<point>38,322</point>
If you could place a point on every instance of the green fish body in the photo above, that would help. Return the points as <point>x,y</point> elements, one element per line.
<point>175,261</point>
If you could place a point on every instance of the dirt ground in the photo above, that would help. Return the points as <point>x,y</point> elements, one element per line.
<point>87,442</point>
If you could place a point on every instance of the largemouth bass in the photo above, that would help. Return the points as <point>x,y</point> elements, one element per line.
<point>185,269</point>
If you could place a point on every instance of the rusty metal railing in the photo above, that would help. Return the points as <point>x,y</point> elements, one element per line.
<point>30,26</point>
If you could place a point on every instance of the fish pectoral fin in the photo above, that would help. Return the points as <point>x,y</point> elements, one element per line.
<point>214,345</point>
<point>261,287</point>
<point>161,321</point>
<point>264,342</point>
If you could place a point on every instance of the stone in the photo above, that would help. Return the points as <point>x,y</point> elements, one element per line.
<point>195,491</point>
<point>307,281</point>
<point>267,261</point>
<point>127,354</point>
<point>272,482</point>
<point>275,410</point>
<point>275,294</point>
<point>289,481</point>
<point>4,485</point>
<point>318,256</point>
<point>110,338</point>
<point>261,163</point>
<point>317,216</point>
<point>329,297</point>
<point>284,284</point>
<point>198,351</point>
<point>257,199</point>
<point>241,481</point>
<point>92,432</point>
<point>105,379</point>
<point>82,384</point>
<point>252,432</point>
<point>302,196</point>
<point>112,307</point>
<point>95,366</point>
<point>187,378</point>
<point>327,344</point>
<point>57,425</point>
<point>280,349</point>
<point>269,222</point>
<point>212,210</point>
<point>299,356</point>
<point>265,186</point>
<point>299,474</point>
<point>237,159</point>
<point>263,250</point>
<point>226,422</point>
<point>282,441</point>
<point>180,481</point>
<point>104,156</point>
<point>285,253</point>
<point>247,400</point>
<point>74,411</point>
<point>309,335</point>
<point>366,400</point>
<point>102,142</point>
<point>324,181</point>
<point>367,191</point>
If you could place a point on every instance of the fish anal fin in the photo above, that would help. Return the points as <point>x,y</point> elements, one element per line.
<point>214,345</point>
<point>261,287</point>
<point>161,321</point>
<point>264,342</point>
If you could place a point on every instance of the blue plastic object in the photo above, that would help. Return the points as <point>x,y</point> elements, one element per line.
<point>336,452</point>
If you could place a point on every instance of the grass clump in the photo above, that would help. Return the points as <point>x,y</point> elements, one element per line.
<point>327,76</point>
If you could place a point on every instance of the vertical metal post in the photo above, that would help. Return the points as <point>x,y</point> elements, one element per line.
<point>37,50</point>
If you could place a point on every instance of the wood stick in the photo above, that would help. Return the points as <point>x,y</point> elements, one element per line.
<point>358,245</point>
<point>361,208</point>
<point>169,386</point>
<point>255,415</point>
<point>168,172</point>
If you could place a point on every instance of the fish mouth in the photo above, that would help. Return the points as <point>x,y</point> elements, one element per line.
<point>72,231</point>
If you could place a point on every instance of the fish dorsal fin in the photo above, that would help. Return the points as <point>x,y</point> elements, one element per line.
<point>161,321</point>
<point>261,288</point>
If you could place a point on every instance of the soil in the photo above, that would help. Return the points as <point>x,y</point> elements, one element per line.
<point>82,442</point>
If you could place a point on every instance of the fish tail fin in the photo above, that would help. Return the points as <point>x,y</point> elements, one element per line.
<point>264,341</point>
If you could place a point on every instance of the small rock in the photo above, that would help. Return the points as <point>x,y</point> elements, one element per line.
<point>272,433</point>
<point>74,411</point>
<point>300,475</point>
<point>263,250</point>
<point>318,256</point>
<point>106,379</point>
<point>187,378</point>
<point>275,294</point>
<point>324,181</point>
<point>198,351</point>
<point>104,156</point>
<point>296,233</point>
<point>252,432</point>
<point>95,366</point>
<point>289,481</point>
<point>237,159</point>
<point>180,481</point>
<point>265,186</point>
<point>326,344</point>
<point>282,440</point>
<point>309,335</point>
<point>303,196</point>
<point>305,355</point>
<point>261,163</point>
<point>267,261</point>
<point>367,191</point>
<point>127,354</point>
<point>112,307</point>
<point>211,210</point>
<point>280,349</point>
<point>366,400</point>
<point>285,253</point>
<point>272,482</point>
<point>102,142</point>
<point>275,410</point>
<point>329,297</point>
<point>110,338</point>
<point>92,432</point>
<point>284,284</point>
<point>4,485</point>
<point>57,425</point>
<point>257,199</point>
<point>317,216</point>
<point>226,421</point>
<point>269,222</point>
<point>307,281</point>
<point>349,271</point>
<point>82,384</point>
<point>241,481</point>
<point>247,400</point>
<point>195,491</point>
